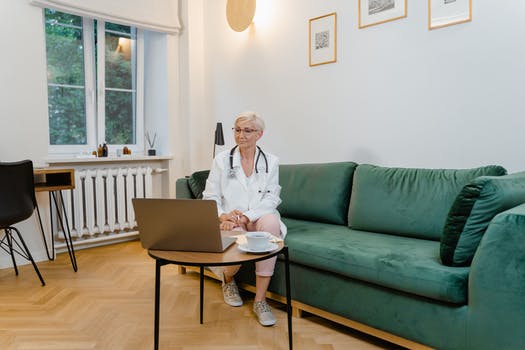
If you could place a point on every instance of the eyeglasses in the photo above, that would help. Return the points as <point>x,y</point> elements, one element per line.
<point>246,131</point>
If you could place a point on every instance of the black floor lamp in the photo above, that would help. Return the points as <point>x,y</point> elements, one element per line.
<point>219,137</point>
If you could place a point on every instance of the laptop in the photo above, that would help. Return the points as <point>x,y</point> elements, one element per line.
<point>180,224</point>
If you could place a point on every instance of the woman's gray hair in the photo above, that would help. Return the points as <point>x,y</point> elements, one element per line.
<point>251,117</point>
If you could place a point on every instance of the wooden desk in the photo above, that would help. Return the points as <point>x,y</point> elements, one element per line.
<point>54,180</point>
<point>232,256</point>
<point>50,179</point>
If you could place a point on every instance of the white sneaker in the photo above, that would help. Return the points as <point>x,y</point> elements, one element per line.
<point>264,313</point>
<point>230,292</point>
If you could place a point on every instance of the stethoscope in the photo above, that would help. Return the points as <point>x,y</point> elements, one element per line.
<point>232,171</point>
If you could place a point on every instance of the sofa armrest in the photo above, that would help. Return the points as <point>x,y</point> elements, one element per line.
<point>182,188</point>
<point>496,306</point>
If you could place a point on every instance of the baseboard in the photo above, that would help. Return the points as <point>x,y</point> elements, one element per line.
<point>102,240</point>
<point>298,308</point>
<point>392,338</point>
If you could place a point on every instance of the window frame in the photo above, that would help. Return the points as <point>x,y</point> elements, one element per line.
<point>94,85</point>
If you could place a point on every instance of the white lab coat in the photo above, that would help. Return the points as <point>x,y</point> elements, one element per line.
<point>254,196</point>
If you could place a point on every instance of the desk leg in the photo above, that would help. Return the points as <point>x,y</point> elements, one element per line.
<point>67,234</point>
<point>50,255</point>
<point>157,304</point>
<point>288,298</point>
<point>201,292</point>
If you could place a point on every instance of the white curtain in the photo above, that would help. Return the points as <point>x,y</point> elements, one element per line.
<point>157,15</point>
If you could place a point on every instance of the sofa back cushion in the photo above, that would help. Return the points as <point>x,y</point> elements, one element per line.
<point>408,201</point>
<point>476,205</point>
<point>316,192</point>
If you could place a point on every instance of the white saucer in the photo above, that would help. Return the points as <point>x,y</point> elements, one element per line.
<point>270,247</point>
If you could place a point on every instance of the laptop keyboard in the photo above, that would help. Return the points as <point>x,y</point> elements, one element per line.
<point>227,241</point>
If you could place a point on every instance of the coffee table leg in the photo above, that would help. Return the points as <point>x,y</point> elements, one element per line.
<point>157,303</point>
<point>288,298</point>
<point>201,293</point>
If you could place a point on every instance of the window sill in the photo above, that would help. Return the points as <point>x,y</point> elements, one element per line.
<point>79,160</point>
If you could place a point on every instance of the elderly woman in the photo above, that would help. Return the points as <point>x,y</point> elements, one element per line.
<point>244,181</point>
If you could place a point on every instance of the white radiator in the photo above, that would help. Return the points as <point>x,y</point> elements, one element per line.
<point>100,205</point>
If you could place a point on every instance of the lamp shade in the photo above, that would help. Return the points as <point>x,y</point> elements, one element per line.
<point>240,13</point>
<point>219,135</point>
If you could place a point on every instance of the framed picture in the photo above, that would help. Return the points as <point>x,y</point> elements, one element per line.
<point>372,12</point>
<point>323,39</point>
<point>443,13</point>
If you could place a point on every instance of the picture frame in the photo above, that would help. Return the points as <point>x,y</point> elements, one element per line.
<point>374,12</point>
<point>322,38</point>
<point>444,13</point>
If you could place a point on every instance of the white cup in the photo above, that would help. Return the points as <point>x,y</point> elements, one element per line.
<point>257,240</point>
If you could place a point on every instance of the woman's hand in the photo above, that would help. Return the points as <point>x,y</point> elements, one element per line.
<point>232,216</point>
<point>243,220</point>
<point>227,225</point>
<point>233,219</point>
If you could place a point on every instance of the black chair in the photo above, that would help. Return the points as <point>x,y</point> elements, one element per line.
<point>17,203</point>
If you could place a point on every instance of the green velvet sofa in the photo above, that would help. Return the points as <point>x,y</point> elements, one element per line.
<point>420,257</point>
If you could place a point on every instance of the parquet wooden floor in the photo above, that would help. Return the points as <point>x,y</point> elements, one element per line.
<point>108,305</point>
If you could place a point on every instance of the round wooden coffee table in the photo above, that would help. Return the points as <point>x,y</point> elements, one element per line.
<point>232,256</point>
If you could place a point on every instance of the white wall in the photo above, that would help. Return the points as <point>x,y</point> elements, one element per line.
<point>399,94</point>
<point>23,100</point>
<point>23,89</point>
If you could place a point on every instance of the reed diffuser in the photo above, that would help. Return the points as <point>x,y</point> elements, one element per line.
<point>151,144</point>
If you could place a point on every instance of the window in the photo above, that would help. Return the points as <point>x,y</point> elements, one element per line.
<point>94,74</point>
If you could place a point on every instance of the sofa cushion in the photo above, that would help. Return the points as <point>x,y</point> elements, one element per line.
<point>316,192</point>
<point>475,206</point>
<point>197,182</point>
<point>406,264</point>
<point>409,202</point>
